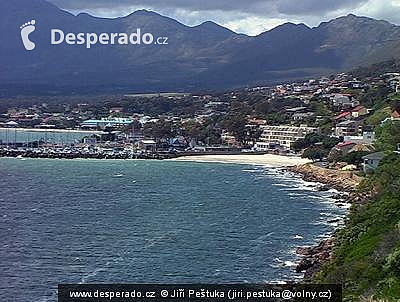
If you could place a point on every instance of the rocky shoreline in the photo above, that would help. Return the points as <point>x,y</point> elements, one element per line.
<point>345,182</point>
<point>340,180</point>
<point>314,257</point>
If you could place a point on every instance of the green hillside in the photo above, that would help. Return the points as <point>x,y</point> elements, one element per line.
<point>367,253</point>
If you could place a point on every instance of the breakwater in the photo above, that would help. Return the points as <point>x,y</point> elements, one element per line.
<point>80,153</point>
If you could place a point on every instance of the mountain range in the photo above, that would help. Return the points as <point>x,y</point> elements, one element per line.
<point>207,56</point>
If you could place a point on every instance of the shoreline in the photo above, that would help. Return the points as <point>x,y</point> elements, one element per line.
<point>266,160</point>
<point>313,257</point>
<point>346,182</point>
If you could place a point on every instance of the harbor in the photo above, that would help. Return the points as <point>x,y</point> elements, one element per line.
<point>71,144</point>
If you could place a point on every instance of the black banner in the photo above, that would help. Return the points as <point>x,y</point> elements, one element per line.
<point>198,292</point>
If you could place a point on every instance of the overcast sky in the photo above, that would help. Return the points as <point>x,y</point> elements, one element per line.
<point>244,16</point>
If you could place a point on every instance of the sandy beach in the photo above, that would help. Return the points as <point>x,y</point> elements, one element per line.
<point>265,159</point>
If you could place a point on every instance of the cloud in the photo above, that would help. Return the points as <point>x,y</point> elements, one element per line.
<point>261,7</point>
<point>385,10</point>
<point>250,17</point>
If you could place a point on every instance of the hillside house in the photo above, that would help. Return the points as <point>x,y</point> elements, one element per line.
<point>359,111</point>
<point>367,138</point>
<point>344,116</point>
<point>347,128</point>
<point>344,101</point>
<point>371,161</point>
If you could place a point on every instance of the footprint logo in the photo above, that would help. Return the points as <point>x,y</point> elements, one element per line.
<point>26,29</point>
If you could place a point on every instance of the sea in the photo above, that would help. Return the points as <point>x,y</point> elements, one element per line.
<point>145,221</point>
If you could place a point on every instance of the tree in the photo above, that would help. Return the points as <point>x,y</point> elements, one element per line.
<point>354,158</point>
<point>159,130</point>
<point>277,118</point>
<point>314,153</point>
<point>388,136</point>
<point>313,139</point>
<point>236,124</point>
<point>300,144</point>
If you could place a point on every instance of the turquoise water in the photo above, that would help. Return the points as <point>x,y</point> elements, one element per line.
<point>88,221</point>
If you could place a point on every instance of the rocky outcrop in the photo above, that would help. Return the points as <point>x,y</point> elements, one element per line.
<point>340,180</point>
<point>314,257</point>
<point>345,182</point>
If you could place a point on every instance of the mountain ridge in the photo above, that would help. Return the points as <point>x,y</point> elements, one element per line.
<point>205,56</point>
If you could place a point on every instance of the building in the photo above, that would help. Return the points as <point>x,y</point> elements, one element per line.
<point>299,113</point>
<point>343,148</point>
<point>344,101</point>
<point>229,139</point>
<point>107,123</point>
<point>178,143</point>
<point>356,84</point>
<point>359,111</point>
<point>367,138</point>
<point>343,116</point>
<point>394,82</point>
<point>371,161</point>
<point>148,145</point>
<point>302,116</point>
<point>281,137</point>
<point>11,124</point>
<point>347,128</point>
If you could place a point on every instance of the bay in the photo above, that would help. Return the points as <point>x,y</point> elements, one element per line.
<point>143,221</point>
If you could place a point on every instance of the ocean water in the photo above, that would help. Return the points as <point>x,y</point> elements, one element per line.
<point>133,221</point>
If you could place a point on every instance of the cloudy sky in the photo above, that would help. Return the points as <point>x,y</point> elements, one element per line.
<point>245,16</point>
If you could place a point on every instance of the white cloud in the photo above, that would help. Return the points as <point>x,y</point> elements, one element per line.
<point>251,17</point>
<point>253,25</point>
<point>388,10</point>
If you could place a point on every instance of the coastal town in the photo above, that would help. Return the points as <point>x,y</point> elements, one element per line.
<point>345,122</point>
<point>192,150</point>
<point>332,119</point>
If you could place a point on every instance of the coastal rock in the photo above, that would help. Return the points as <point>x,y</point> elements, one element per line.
<point>314,257</point>
<point>346,182</point>
<point>304,265</point>
<point>303,251</point>
<point>343,181</point>
<point>323,188</point>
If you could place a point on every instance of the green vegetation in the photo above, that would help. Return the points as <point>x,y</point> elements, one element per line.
<point>367,251</point>
<point>388,136</point>
<point>317,146</point>
<point>315,153</point>
<point>311,139</point>
<point>377,69</point>
<point>378,116</point>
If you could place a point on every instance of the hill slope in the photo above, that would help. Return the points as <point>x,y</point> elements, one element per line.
<point>206,56</point>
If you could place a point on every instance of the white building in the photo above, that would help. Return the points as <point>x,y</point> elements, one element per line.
<point>367,138</point>
<point>344,101</point>
<point>107,122</point>
<point>282,137</point>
